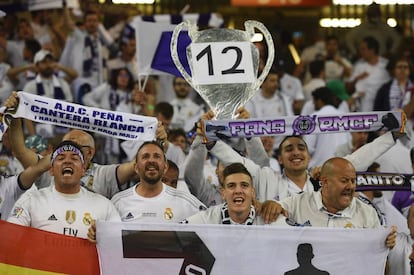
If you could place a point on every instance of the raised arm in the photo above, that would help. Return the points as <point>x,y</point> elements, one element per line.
<point>125,172</point>
<point>227,155</point>
<point>254,146</point>
<point>26,156</point>
<point>367,154</point>
<point>33,172</point>
<point>13,72</point>
<point>70,74</point>
<point>206,192</point>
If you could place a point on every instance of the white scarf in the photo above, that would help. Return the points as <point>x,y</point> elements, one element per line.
<point>110,123</point>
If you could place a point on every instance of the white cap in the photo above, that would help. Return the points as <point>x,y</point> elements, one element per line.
<point>41,55</point>
<point>2,13</point>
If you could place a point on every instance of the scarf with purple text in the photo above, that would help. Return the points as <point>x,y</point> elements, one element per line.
<point>304,125</point>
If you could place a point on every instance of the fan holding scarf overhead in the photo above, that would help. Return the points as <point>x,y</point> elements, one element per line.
<point>86,52</point>
<point>46,83</point>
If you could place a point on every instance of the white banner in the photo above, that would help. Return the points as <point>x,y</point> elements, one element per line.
<point>110,123</point>
<point>134,248</point>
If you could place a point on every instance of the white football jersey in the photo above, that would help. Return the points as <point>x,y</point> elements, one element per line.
<point>10,191</point>
<point>67,214</point>
<point>171,205</point>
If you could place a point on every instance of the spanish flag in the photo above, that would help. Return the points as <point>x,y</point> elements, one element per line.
<point>26,250</point>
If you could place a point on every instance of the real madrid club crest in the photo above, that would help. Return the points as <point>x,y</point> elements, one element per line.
<point>349,225</point>
<point>304,125</point>
<point>70,216</point>
<point>168,214</point>
<point>87,218</point>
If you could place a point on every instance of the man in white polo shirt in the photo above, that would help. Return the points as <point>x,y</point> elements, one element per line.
<point>334,205</point>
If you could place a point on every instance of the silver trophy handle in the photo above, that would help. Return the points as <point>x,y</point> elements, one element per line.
<point>174,53</point>
<point>249,25</point>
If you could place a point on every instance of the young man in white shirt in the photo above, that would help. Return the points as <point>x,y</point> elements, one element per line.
<point>65,207</point>
<point>238,193</point>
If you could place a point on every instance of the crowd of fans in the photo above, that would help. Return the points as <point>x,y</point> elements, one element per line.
<point>175,177</point>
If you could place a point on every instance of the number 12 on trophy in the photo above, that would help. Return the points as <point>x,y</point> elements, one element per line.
<point>222,62</point>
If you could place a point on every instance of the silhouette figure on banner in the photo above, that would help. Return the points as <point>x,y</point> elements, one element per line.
<point>305,255</point>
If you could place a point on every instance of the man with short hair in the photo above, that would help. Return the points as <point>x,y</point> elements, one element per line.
<point>368,76</point>
<point>186,111</point>
<point>49,85</point>
<point>85,52</point>
<point>334,205</point>
<point>270,101</point>
<point>64,207</point>
<point>323,146</point>
<point>46,83</point>
<point>238,195</point>
<point>294,157</point>
<point>150,200</point>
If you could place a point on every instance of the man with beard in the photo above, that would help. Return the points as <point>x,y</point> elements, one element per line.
<point>64,207</point>
<point>49,85</point>
<point>150,200</point>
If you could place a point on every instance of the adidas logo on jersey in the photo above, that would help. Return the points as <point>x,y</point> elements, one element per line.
<point>129,216</point>
<point>52,218</point>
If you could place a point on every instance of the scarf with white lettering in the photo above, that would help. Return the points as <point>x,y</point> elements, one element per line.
<point>225,217</point>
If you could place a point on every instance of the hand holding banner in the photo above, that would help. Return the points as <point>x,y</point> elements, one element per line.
<point>304,125</point>
<point>110,123</point>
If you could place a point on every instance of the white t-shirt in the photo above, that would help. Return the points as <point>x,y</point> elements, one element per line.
<point>10,191</point>
<point>186,113</point>
<point>292,87</point>
<point>171,205</point>
<point>50,210</point>
<point>377,76</point>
